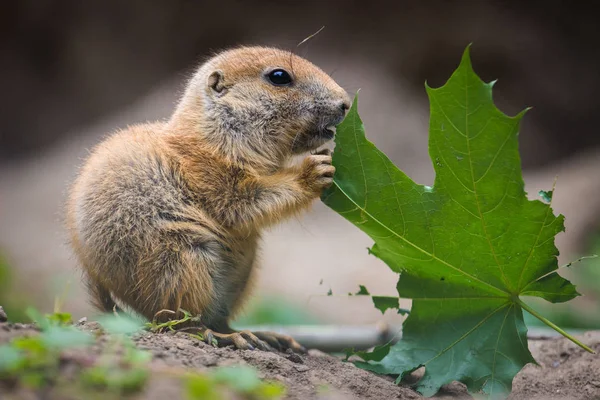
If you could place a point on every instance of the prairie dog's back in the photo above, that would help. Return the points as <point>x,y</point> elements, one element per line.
<point>127,187</point>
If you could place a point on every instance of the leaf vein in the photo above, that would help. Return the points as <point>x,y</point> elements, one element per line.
<point>464,336</point>
<point>496,289</point>
<point>482,219</point>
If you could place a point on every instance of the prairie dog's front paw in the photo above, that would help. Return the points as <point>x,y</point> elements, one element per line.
<point>317,172</point>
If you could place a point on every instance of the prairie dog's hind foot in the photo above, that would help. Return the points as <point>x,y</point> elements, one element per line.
<point>242,340</point>
<point>246,340</point>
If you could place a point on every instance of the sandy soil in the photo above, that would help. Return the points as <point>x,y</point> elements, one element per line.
<point>565,371</point>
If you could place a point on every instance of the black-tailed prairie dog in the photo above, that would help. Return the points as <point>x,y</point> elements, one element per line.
<point>168,215</point>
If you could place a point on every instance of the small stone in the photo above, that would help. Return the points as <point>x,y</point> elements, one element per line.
<point>211,362</point>
<point>82,321</point>
<point>555,364</point>
<point>317,353</point>
<point>180,346</point>
<point>295,358</point>
<point>3,316</point>
<point>301,368</point>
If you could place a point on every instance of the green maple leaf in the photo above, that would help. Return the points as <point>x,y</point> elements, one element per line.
<point>467,249</point>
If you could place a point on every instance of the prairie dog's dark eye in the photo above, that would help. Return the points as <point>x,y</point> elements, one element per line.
<point>279,77</point>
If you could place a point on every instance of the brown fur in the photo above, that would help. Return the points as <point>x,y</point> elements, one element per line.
<point>169,215</point>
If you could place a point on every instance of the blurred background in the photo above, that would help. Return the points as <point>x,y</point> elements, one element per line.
<point>73,72</point>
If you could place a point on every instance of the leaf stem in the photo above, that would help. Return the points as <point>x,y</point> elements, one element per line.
<point>553,326</point>
<point>576,261</point>
<point>567,265</point>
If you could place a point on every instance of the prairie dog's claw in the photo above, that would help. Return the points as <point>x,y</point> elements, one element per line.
<point>322,152</point>
<point>243,340</point>
<point>281,342</point>
<point>246,340</point>
<point>317,172</point>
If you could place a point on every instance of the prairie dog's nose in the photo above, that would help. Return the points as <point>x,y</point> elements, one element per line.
<point>339,110</point>
<point>345,105</point>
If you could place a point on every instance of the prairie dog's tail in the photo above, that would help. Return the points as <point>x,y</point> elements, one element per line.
<point>101,297</point>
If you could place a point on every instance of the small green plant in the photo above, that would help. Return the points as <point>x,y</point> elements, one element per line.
<point>120,371</point>
<point>12,301</point>
<point>34,361</point>
<point>241,380</point>
<point>170,325</point>
<point>122,368</point>
<point>60,318</point>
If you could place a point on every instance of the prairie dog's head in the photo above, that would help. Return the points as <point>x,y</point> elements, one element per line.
<point>258,102</point>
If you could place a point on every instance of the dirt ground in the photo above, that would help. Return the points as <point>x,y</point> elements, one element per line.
<point>565,371</point>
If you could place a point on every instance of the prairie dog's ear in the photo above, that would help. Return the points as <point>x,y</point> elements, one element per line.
<point>215,82</point>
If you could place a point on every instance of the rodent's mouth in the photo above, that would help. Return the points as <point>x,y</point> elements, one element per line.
<point>327,133</point>
<point>313,139</point>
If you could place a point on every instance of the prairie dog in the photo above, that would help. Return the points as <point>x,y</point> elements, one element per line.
<point>168,215</point>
